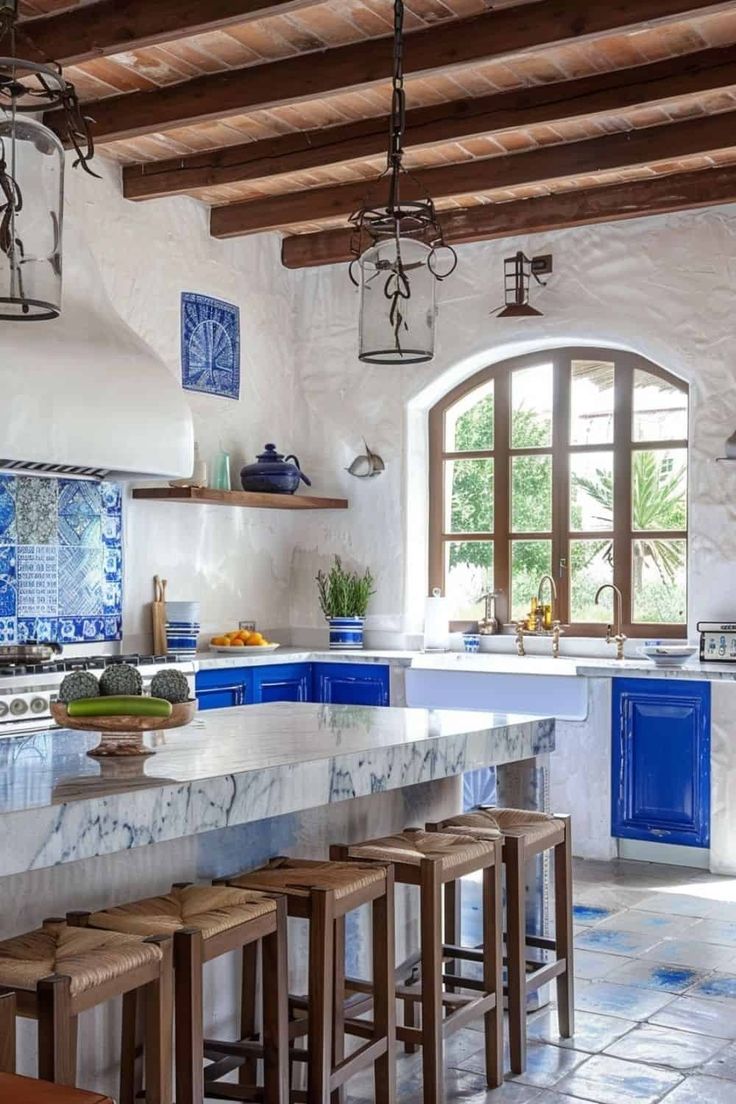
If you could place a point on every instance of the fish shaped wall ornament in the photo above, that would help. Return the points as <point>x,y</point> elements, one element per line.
<point>367,464</point>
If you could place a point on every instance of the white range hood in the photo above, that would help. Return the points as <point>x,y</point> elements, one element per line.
<point>84,394</point>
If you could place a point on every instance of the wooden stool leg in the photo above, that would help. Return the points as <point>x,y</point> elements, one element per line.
<point>493,967</point>
<point>564,934</point>
<point>56,1059</point>
<point>248,1072</point>
<point>410,1020</point>
<point>7,1032</point>
<point>384,989</point>
<point>158,999</point>
<point>516,949</point>
<point>321,981</point>
<point>276,1011</point>
<point>431,934</point>
<point>338,1026</point>
<point>189,1004</point>
<point>131,1048</point>
<point>452,926</point>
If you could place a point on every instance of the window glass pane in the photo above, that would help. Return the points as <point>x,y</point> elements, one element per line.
<point>659,488</point>
<point>660,410</point>
<point>591,402</point>
<point>469,423</point>
<point>591,565</point>
<point>468,574</point>
<point>659,581</point>
<point>530,560</point>
<point>591,491</point>
<point>469,496</point>
<point>531,494</point>
<point>531,407</point>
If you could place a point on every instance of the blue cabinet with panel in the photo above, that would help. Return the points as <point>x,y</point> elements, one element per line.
<point>351,683</point>
<point>224,687</point>
<point>661,761</point>
<point>336,683</point>
<point>282,682</point>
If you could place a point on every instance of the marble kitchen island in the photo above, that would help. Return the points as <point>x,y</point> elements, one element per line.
<point>227,792</point>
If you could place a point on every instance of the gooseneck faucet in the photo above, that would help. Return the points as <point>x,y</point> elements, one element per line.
<point>552,592</point>
<point>614,634</point>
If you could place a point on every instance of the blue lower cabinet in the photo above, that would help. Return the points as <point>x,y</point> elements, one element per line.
<point>661,761</point>
<point>351,683</point>
<point>282,682</point>
<point>224,687</point>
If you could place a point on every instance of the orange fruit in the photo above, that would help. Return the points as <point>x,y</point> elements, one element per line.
<point>256,638</point>
<point>220,640</point>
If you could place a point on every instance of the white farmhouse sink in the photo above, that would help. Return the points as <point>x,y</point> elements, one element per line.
<point>509,684</point>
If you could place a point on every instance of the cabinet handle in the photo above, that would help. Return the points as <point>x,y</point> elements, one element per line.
<point>236,689</point>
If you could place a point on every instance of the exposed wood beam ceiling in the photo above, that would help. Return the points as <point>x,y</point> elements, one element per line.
<point>274,111</point>
<point>613,203</point>
<point>615,151</point>
<point>705,71</point>
<point>308,76</point>
<point>111,26</point>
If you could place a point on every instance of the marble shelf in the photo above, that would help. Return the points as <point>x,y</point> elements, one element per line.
<point>233,767</point>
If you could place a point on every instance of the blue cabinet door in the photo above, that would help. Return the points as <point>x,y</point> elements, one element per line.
<point>224,687</point>
<point>351,683</point>
<point>282,682</point>
<point>661,761</point>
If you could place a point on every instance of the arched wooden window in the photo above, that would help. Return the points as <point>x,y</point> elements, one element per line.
<point>572,462</point>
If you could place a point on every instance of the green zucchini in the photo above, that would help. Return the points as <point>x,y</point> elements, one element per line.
<point>122,706</point>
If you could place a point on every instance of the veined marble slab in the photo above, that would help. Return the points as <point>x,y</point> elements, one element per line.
<point>232,767</point>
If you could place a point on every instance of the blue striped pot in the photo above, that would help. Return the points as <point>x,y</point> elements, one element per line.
<point>346,632</point>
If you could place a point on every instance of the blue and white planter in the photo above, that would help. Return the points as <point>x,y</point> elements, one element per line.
<point>346,633</point>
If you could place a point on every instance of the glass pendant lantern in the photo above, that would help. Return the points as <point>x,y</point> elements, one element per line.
<point>32,179</point>
<point>398,253</point>
<point>32,187</point>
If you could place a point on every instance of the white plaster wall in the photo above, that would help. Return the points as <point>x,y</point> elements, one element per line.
<point>237,562</point>
<point>663,287</point>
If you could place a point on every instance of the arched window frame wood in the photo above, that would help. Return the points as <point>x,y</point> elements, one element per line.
<point>622,446</point>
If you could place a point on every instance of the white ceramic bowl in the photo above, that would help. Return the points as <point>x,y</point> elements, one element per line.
<point>669,655</point>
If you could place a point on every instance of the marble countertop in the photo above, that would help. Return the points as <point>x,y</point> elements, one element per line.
<point>234,766</point>
<point>484,662</point>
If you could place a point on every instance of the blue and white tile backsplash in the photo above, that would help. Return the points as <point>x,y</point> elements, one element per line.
<point>61,560</point>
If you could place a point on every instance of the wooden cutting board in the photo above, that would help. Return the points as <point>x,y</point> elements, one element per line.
<point>158,616</point>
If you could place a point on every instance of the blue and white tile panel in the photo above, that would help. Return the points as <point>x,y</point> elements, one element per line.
<point>61,560</point>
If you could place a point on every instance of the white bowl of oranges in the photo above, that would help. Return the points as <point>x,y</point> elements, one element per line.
<point>241,640</point>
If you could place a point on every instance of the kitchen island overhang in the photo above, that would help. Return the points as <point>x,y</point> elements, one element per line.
<point>238,766</point>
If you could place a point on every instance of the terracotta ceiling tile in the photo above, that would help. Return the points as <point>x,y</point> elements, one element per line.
<point>271,39</point>
<point>118,73</point>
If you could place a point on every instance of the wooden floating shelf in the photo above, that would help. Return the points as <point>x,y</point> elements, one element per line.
<point>252,499</point>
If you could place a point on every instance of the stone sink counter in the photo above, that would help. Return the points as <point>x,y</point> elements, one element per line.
<point>233,767</point>
<point>484,662</point>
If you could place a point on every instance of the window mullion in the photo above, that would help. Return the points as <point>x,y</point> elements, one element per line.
<point>622,444</point>
<point>502,495</point>
<point>560,485</point>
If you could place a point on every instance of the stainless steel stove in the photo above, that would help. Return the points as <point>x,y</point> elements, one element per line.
<point>26,692</point>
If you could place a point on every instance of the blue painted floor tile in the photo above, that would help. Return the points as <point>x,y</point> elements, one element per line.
<point>616,942</point>
<point>717,987</point>
<point>626,1001</point>
<point>612,1081</point>
<point>663,1046</point>
<point>590,914</point>
<point>662,976</point>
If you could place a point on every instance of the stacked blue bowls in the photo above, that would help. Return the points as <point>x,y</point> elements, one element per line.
<point>182,627</point>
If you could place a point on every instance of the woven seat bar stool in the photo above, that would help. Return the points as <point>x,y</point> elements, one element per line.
<point>323,893</point>
<point>434,862</point>
<point>207,921</point>
<point>60,970</point>
<point>527,834</point>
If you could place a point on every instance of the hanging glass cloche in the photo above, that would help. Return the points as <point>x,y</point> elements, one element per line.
<point>32,179</point>
<point>399,253</point>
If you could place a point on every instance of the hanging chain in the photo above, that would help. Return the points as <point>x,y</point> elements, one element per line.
<point>398,108</point>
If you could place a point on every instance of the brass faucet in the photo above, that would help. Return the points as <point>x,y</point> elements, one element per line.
<point>520,649</point>
<point>488,624</point>
<point>552,595</point>
<point>612,636</point>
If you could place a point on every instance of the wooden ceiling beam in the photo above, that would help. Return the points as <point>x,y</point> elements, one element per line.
<point>613,151</point>
<point>314,75</point>
<point>610,203</point>
<point>111,26</point>
<point>705,71</point>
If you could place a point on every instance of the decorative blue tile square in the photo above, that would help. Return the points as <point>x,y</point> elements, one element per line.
<point>7,581</point>
<point>112,529</point>
<point>111,497</point>
<point>37,568</point>
<point>80,506</point>
<point>7,630</point>
<point>7,509</point>
<point>114,628</point>
<point>112,595</point>
<point>33,629</point>
<point>36,510</point>
<point>80,580</point>
<point>210,345</point>
<point>112,562</point>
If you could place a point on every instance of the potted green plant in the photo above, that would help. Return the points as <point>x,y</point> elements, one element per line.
<point>344,597</point>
